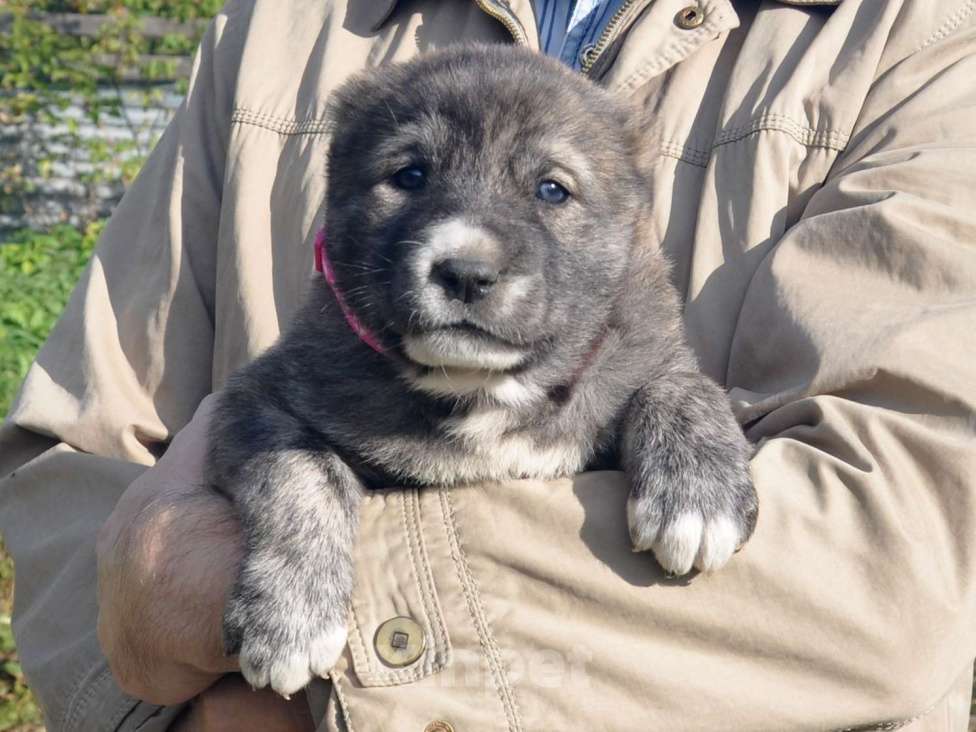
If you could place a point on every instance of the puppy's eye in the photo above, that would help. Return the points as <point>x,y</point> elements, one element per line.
<point>411,178</point>
<point>551,192</point>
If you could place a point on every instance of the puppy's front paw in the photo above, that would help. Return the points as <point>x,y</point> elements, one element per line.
<point>283,634</point>
<point>687,539</point>
<point>692,522</point>
<point>288,666</point>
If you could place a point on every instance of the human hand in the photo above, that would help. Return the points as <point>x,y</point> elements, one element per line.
<point>167,557</point>
<point>231,705</point>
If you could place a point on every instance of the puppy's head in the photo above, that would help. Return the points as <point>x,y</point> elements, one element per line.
<point>482,206</point>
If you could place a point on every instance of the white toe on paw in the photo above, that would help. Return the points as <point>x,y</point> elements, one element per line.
<point>290,672</point>
<point>643,529</point>
<point>719,542</point>
<point>326,649</point>
<point>256,675</point>
<point>291,668</point>
<point>677,545</point>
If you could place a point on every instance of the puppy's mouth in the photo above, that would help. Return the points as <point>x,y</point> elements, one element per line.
<point>463,346</point>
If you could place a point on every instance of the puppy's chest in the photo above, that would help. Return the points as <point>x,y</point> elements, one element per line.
<point>485,443</point>
<point>493,435</point>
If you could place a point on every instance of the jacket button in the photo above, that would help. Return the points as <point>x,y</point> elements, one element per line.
<point>690,17</point>
<point>439,726</point>
<point>399,641</point>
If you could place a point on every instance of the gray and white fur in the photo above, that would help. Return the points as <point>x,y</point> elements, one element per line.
<point>529,336</point>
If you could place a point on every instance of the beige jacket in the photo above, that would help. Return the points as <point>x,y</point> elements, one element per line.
<point>815,177</point>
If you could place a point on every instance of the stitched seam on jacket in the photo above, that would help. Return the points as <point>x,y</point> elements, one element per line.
<point>951,24</point>
<point>148,719</point>
<point>82,697</point>
<point>343,705</point>
<point>442,646</point>
<point>809,136</point>
<point>68,713</point>
<point>124,710</point>
<point>281,125</point>
<point>356,639</point>
<point>417,672</point>
<point>899,723</point>
<point>470,589</point>
<point>685,153</point>
<point>892,725</point>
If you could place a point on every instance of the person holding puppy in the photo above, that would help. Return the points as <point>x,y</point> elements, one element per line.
<point>811,166</point>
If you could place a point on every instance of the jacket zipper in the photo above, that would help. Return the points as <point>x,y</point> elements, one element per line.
<point>506,18</point>
<point>608,35</point>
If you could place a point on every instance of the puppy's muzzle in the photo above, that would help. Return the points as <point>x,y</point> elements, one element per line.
<point>466,279</point>
<point>458,273</point>
<point>465,309</point>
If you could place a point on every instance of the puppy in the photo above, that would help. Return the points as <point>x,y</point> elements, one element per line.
<point>487,309</point>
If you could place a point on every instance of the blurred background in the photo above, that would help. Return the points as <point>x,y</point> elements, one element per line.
<point>86,88</point>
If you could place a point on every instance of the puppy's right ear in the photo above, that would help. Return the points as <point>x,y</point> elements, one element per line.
<point>342,103</point>
<point>358,97</point>
<point>348,111</point>
<point>357,115</point>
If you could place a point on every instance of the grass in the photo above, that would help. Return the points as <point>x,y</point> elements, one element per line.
<point>18,710</point>
<point>37,274</point>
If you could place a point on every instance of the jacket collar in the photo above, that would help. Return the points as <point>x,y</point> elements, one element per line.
<point>374,14</point>
<point>371,14</point>
<point>808,2</point>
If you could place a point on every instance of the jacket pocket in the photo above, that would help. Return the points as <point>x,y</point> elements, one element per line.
<point>396,637</point>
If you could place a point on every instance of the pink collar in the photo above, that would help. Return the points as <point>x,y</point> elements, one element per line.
<point>323,265</point>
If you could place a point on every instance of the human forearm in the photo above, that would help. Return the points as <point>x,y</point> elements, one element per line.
<point>231,705</point>
<point>167,556</point>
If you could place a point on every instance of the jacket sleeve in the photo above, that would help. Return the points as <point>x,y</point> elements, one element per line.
<point>122,370</point>
<point>854,365</point>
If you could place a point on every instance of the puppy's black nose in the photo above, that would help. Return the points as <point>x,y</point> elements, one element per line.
<point>468,280</point>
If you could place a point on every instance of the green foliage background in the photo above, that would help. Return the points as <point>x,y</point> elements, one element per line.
<point>42,71</point>
<point>38,270</point>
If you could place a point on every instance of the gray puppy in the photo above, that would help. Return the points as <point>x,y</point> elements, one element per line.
<point>490,311</point>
